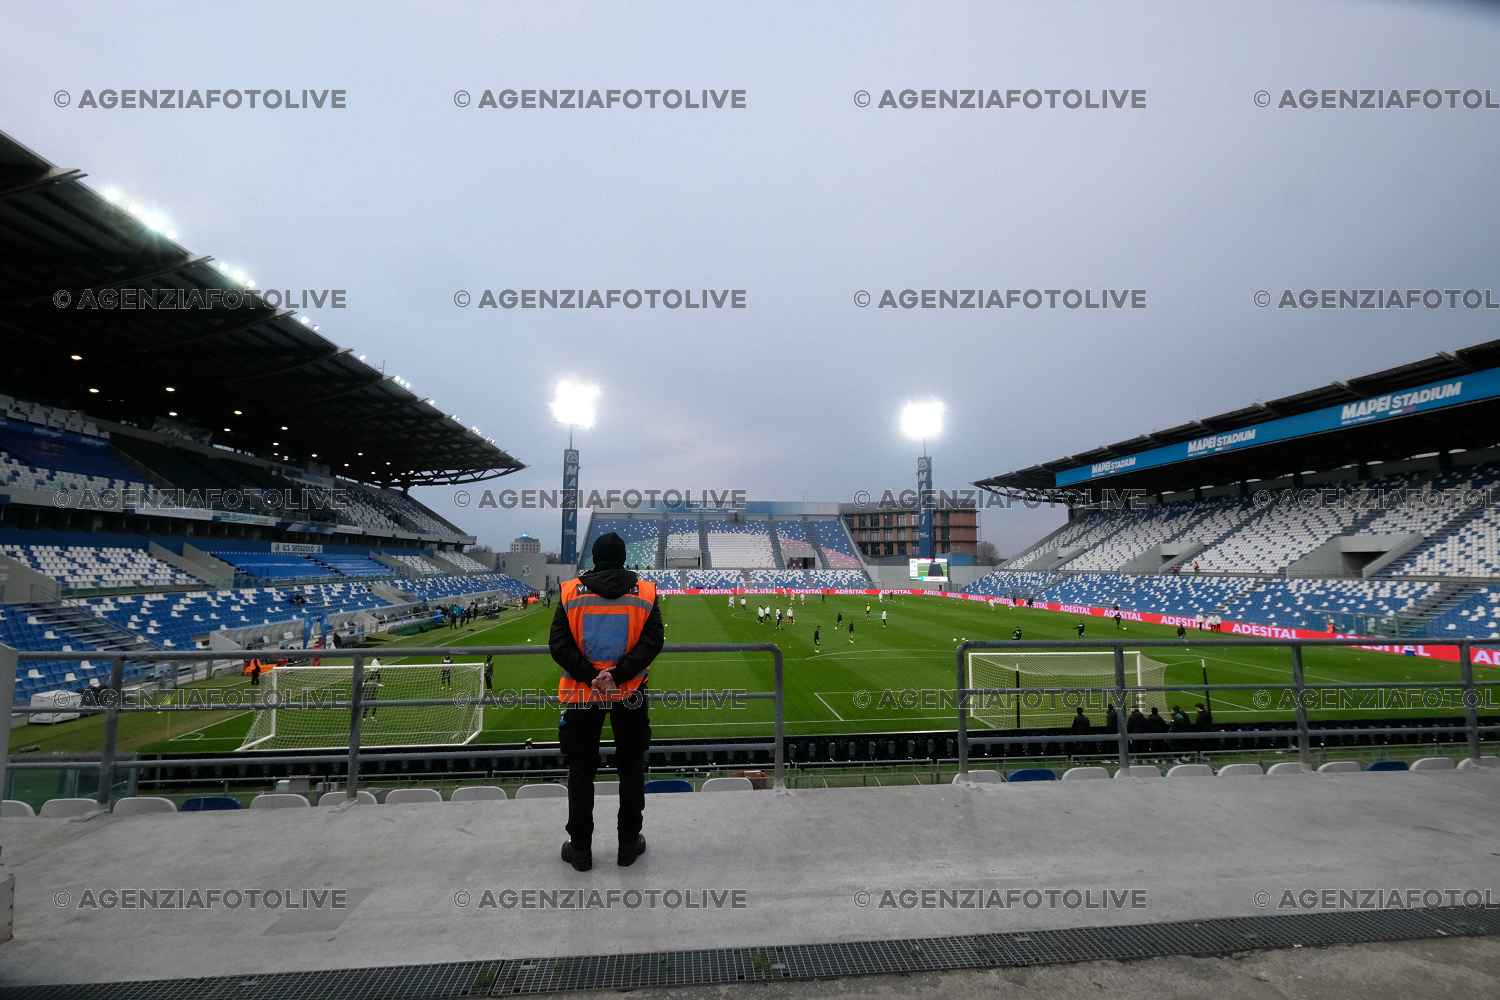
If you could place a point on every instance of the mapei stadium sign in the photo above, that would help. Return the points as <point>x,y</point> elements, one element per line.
<point>1470,388</point>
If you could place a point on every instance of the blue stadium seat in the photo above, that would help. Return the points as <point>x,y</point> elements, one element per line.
<point>211,803</point>
<point>1032,774</point>
<point>669,785</point>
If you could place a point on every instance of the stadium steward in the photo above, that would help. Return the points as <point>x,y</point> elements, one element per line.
<point>606,631</point>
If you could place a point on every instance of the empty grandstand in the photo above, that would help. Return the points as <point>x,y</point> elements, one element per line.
<point>742,544</point>
<point>153,497</point>
<point>761,546</point>
<point>1389,525</point>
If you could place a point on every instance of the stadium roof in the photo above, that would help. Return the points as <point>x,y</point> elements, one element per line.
<point>1119,466</point>
<point>260,379</point>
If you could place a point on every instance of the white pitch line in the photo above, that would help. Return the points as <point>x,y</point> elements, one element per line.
<point>193,732</point>
<point>830,708</point>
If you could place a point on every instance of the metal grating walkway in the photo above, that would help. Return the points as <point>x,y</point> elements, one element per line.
<point>721,966</point>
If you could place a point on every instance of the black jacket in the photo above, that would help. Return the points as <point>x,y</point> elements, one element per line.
<point>606,583</point>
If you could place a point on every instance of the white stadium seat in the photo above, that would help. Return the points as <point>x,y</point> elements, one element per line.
<point>279,800</point>
<point>548,790</point>
<point>140,805</point>
<point>1340,767</point>
<point>478,793</point>
<point>1470,764</point>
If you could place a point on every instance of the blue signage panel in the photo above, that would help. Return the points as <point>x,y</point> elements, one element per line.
<point>1456,391</point>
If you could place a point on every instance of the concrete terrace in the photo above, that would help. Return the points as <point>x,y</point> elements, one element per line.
<point>1194,848</point>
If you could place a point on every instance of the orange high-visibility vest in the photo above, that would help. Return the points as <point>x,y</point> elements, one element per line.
<point>605,629</point>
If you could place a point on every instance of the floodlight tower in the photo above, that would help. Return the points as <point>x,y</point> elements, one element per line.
<point>574,404</point>
<point>923,421</point>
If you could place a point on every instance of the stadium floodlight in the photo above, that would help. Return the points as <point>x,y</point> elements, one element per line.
<point>922,420</point>
<point>575,403</point>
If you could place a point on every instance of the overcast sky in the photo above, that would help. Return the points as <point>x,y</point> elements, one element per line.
<point>802,199</point>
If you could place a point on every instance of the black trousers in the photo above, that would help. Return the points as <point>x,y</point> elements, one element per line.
<point>578,737</point>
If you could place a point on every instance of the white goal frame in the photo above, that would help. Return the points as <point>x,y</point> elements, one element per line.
<point>1137,666</point>
<point>469,703</point>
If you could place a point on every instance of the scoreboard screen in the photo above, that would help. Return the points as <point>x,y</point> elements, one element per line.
<point>927,570</point>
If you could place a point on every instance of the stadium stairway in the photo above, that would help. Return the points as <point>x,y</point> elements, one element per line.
<point>812,539</point>
<point>1457,526</point>
<point>1209,543</point>
<point>703,558</point>
<point>776,547</point>
<point>661,545</point>
<point>83,625</point>
<point>1447,597</point>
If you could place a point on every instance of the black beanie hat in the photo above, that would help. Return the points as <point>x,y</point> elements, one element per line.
<point>609,550</point>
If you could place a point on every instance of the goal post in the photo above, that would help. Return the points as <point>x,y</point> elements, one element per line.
<point>310,707</point>
<point>1076,672</point>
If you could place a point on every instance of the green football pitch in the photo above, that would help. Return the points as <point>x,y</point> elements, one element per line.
<point>891,679</point>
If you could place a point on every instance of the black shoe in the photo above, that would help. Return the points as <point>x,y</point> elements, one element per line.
<point>581,860</point>
<point>629,852</point>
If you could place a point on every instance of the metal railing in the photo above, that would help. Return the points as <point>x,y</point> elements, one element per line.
<point>112,694</point>
<point>1122,693</point>
<point>108,761</point>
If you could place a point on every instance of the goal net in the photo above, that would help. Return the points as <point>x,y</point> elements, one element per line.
<point>310,707</point>
<point>1075,671</point>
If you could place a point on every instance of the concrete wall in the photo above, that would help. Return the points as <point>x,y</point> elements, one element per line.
<point>1346,556</point>
<point>217,574</point>
<point>532,568</point>
<point>20,584</point>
